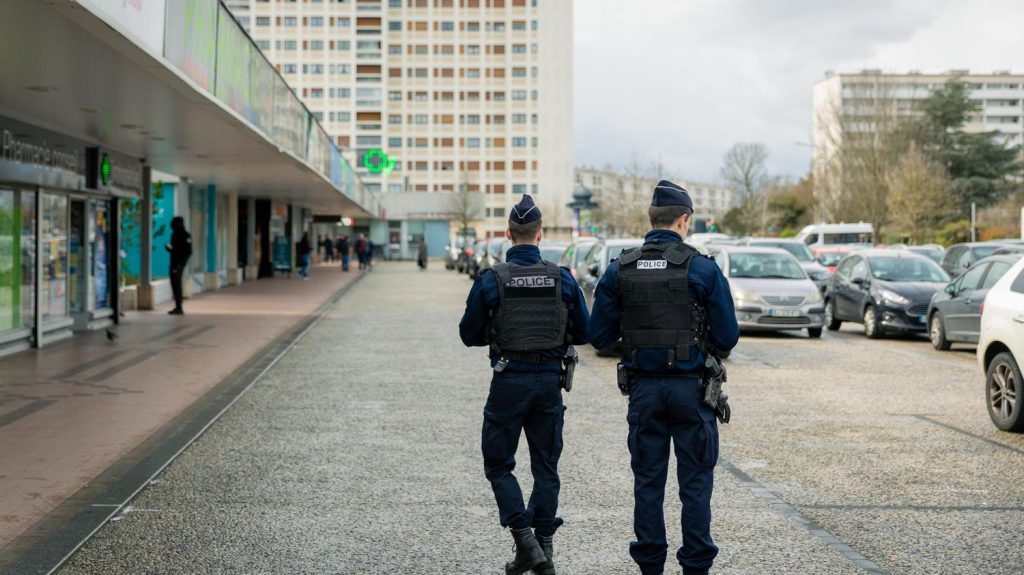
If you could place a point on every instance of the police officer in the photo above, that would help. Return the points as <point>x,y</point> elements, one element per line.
<point>667,302</point>
<point>528,311</point>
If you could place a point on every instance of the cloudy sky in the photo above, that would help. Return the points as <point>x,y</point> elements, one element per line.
<point>682,80</point>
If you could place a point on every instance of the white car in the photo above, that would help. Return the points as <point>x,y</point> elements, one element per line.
<point>1001,349</point>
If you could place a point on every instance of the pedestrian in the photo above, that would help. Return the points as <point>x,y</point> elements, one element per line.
<point>369,253</point>
<point>305,256</point>
<point>328,248</point>
<point>181,250</point>
<point>343,252</point>
<point>529,312</point>
<point>320,246</point>
<point>670,305</point>
<point>361,251</point>
<point>421,255</point>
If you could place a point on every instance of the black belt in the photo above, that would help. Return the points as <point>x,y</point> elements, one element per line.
<point>530,357</point>
<point>664,374</point>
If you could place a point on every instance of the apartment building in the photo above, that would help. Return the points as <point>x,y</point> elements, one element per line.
<point>848,101</point>
<point>430,97</point>
<point>708,199</point>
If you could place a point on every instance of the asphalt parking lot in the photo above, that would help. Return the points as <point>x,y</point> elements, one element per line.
<point>358,452</point>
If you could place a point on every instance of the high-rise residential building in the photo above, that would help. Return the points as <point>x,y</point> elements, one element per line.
<point>861,101</point>
<point>430,97</point>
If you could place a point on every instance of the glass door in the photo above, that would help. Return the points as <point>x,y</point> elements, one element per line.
<point>78,276</point>
<point>10,268</point>
<point>54,256</point>
<point>99,234</point>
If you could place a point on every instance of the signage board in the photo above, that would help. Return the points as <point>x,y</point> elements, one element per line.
<point>33,155</point>
<point>141,20</point>
<point>190,43</point>
<point>113,172</point>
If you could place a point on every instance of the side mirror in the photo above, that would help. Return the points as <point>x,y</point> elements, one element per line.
<point>951,289</point>
<point>967,264</point>
<point>593,268</point>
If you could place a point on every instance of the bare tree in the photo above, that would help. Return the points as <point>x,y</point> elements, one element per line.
<point>919,193</point>
<point>465,206</point>
<point>743,169</point>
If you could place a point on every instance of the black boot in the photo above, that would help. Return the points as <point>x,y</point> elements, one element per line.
<point>528,552</point>
<point>547,545</point>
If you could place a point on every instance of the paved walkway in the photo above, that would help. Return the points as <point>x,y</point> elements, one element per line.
<point>71,410</point>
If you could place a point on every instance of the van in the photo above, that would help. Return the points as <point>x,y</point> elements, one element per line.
<point>821,235</point>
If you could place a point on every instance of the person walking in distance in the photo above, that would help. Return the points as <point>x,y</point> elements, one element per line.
<point>421,255</point>
<point>181,250</point>
<point>361,251</point>
<point>305,252</point>
<point>529,313</point>
<point>343,252</point>
<point>672,307</point>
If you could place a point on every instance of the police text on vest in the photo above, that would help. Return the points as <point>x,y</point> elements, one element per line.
<point>531,282</point>
<point>651,264</point>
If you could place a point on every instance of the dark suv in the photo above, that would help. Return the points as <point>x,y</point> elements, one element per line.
<point>886,290</point>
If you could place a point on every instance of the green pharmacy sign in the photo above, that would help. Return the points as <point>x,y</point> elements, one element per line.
<point>105,169</point>
<point>377,162</point>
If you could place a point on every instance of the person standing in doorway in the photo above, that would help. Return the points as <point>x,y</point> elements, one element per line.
<point>421,256</point>
<point>181,250</point>
<point>305,255</point>
<point>343,252</point>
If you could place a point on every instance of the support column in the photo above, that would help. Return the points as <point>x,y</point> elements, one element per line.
<point>114,270</point>
<point>38,287</point>
<point>212,281</point>
<point>251,265</point>
<point>146,296</point>
<point>234,272</point>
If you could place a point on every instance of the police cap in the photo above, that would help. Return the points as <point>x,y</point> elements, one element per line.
<point>524,212</point>
<point>668,194</point>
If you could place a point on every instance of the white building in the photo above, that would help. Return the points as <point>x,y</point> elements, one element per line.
<point>839,99</point>
<point>426,97</point>
<point>708,199</point>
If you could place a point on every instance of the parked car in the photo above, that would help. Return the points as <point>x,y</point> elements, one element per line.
<point>829,257</point>
<point>825,235</point>
<point>597,260</point>
<point>959,257</point>
<point>454,258</point>
<point>770,289</point>
<point>495,252</point>
<point>699,239</point>
<point>817,272</point>
<point>886,290</point>
<point>552,251</point>
<point>575,253</point>
<point>954,315</point>
<point>465,257</point>
<point>476,258</point>
<point>933,251</point>
<point>1001,348</point>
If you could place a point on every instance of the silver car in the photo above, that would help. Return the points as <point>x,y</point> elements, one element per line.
<point>770,290</point>
<point>817,272</point>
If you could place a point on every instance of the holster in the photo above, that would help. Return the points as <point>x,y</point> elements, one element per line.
<point>714,375</point>
<point>625,379</point>
<point>568,368</point>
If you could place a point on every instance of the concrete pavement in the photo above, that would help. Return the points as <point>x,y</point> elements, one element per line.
<point>358,452</point>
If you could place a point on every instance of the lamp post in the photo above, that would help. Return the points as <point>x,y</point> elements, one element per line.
<point>581,200</point>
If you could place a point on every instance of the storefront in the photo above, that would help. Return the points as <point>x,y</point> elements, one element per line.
<point>58,271</point>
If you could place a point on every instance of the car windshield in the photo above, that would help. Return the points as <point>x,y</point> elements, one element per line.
<point>551,253</point>
<point>830,258</point>
<point>933,254</point>
<point>799,251</point>
<point>897,269</point>
<point>765,266</point>
<point>984,251</point>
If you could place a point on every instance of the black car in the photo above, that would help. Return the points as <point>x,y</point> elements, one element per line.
<point>887,290</point>
<point>954,315</point>
<point>959,257</point>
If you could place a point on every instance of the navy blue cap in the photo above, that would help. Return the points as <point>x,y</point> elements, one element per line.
<point>525,211</point>
<point>668,194</point>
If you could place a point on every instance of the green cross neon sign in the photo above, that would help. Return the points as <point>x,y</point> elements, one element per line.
<point>105,169</point>
<point>377,162</point>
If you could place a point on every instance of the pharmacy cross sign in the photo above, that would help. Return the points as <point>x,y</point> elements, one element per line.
<point>377,162</point>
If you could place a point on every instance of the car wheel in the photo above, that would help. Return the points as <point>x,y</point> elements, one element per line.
<point>1003,386</point>
<point>831,322</point>
<point>814,332</point>
<point>872,325</point>
<point>937,333</point>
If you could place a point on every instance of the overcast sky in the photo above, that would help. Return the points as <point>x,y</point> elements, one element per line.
<point>682,80</point>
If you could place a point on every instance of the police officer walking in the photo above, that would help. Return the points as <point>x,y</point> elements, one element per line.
<point>529,312</point>
<point>670,305</point>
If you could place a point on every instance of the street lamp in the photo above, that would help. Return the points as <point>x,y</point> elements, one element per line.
<point>581,200</point>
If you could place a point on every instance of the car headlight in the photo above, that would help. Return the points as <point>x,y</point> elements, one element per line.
<point>892,297</point>
<point>744,295</point>
<point>814,297</point>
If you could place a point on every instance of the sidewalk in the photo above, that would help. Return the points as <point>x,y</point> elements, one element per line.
<point>72,409</point>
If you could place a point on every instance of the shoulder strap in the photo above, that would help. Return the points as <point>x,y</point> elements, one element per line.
<point>629,256</point>
<point>676,254</point>
<point>503,272</point>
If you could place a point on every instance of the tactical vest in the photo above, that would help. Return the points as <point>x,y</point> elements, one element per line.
<point>657,311</point>
<point>531,314</point>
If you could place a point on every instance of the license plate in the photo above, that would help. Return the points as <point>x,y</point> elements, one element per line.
<point>784,312</point>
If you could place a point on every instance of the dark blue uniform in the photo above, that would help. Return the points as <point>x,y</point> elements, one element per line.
<point>525,396</point>
<point>670,408</point>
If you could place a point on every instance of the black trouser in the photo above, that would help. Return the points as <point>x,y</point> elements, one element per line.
<point>176,285</point>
